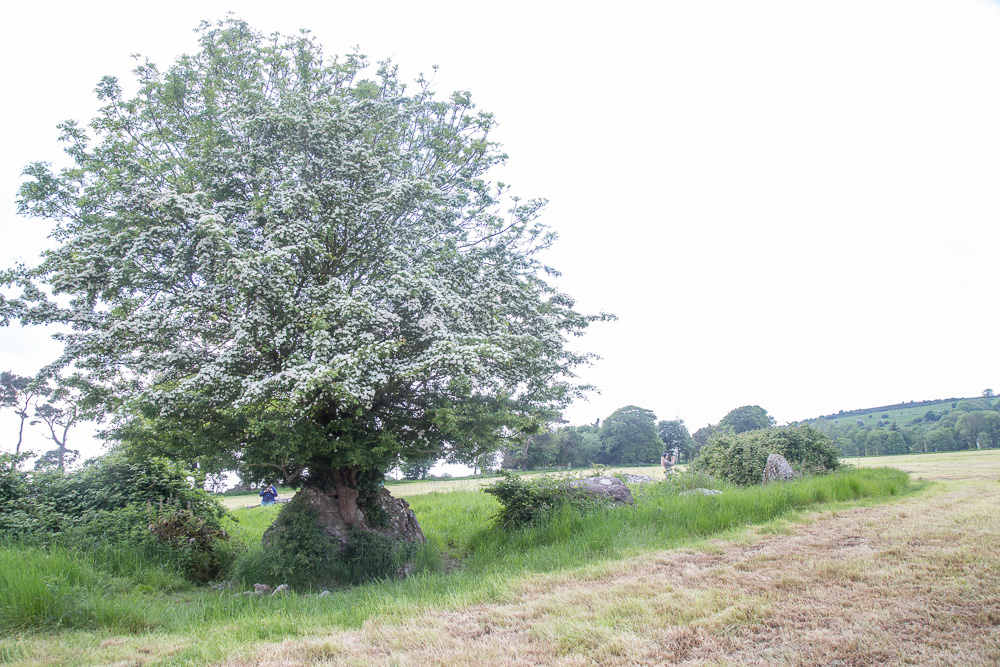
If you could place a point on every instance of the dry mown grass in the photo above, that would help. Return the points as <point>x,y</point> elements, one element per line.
<point>913,582</point>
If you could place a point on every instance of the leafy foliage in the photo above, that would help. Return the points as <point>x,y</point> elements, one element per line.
<point>296,551</point>
<point>739,458</point>
<point>528,501</point>
<point>629,436</point>
<point>746,418</point>
<point>147,504</point>
<point>948,425</point>
<point>289,264</point>
<point>195,538</point>
<point>675,436</point>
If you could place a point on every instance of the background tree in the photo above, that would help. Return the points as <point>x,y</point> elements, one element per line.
<point>990,428</point>
<point>895,443</point>
<point>674,435</point>
<point>747,418</point>
<point>987,393</point>
<point>19,393</point>
<point>588,447</point>
<point>875,442</point>
<point>417,467</point>
<point>61,410</point>
<point>284,261</point>
<point>703,435</point>
<point>941,440</point>
<point>629,437</point>
<point>969,426</point>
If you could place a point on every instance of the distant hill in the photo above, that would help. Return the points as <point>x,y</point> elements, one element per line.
<point>901,413</point>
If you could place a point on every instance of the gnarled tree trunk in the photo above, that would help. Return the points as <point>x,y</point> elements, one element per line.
<point>334,498</point>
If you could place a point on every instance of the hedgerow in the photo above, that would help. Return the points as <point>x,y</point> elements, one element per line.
<point>739,458</point>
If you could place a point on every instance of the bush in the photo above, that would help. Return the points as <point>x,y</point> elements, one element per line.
<point>297,552</point>
<point>740,458</point>
<point>146,504</point>
<point>192,539</point>
<point>524,502</point>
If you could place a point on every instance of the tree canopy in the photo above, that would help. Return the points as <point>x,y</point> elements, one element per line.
<point>675,436</point>
<point>747,418</point>
<point>629,436</point>
<point>295,266</point>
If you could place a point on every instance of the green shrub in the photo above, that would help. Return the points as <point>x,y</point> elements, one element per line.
<point>524,502</point>
<point>739,458</point>
<point>192,539</point>
<point>146,504</point>
<point>297,552</point>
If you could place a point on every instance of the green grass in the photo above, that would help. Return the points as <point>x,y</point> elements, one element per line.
<point>970,464</point>
<point>59,590</point>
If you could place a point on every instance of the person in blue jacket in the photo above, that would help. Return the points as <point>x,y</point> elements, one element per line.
<point>268,495</point>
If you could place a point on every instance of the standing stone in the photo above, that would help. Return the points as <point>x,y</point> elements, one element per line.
<point>778,469</point>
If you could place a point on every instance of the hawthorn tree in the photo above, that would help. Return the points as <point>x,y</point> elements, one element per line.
<point>297,267</point>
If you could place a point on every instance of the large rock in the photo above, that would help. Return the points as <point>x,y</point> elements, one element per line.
<point>604,488</point>
<point>401,524</point>
<point>778,469</point>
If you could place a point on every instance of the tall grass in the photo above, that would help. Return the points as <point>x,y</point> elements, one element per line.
<point>115,590</point>
<point>56,588</point>
<point>662,518</point>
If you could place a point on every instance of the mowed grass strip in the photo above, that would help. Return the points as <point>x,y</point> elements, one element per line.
<point>964,465</point>
<point>199,626</point>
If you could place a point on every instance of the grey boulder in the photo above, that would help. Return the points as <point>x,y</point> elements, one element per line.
<point>604,488</point>
<point>778,469</point>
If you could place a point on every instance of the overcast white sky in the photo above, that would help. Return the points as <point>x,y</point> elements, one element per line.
<point>787,203</point>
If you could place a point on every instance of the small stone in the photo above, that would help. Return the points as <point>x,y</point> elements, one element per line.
<point>406,571</point>
<point>261,589</point>
<point>639,479</point>
<point>323,594</point>
<point>704,492</point>
<point>283,588</point>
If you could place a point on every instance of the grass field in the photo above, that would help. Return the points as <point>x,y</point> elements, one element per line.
<point>940,466</point>
<point>64,608</point>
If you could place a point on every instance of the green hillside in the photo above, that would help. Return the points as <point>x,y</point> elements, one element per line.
<point>901,413</point>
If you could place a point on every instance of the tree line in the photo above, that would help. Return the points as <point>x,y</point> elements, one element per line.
<point>631,435</point>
